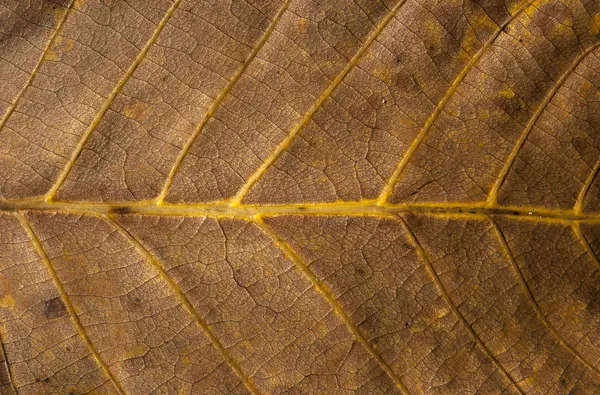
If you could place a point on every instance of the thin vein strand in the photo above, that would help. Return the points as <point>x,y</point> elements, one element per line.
<point>217,102</point>
<point>529,295</point>
<point>581,237</point>
<point>34,72</point>
<point>414,146</point>
<point>67,301</point>
<point>578,207</point>
<point>423,256</point>
<point>286,142</point>
<point>11,376</point>
<point>134,65</point>
<point>330,298</point>
<point>493,195</point>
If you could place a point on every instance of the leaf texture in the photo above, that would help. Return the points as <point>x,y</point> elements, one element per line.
<point>300,196</point>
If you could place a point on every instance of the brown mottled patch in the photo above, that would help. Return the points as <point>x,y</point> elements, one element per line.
<point>54,308</point>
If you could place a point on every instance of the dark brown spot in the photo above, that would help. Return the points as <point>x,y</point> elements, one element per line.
<point>120,210</point>
<point>54,308</point>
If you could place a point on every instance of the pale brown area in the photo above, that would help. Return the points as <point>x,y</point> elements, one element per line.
<point>300,196</point>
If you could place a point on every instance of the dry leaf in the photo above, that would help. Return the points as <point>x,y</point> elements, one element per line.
<point>300,196</point>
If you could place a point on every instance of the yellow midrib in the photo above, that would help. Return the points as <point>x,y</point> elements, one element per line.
<point>364,207</point>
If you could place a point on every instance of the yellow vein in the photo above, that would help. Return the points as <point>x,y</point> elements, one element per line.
<point>186,303</point>
<point>79,148</point>
<point>423,255</point>
<point>360,208</point>
<point>329,297</point>
<point>285,143</point>
<point>67,301</point>
<point>414,146</point>
<point>34,72</point>
<point>527,292</point>
<point>579,234</point>
<point>11,376</point>
<point>493,196</point>
<point>217,102</point>
<point>578,207</point>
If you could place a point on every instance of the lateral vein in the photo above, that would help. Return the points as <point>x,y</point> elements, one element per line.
<point>285,143</point>
<point>330,298</point>
<point>493,195</point>
<point>217,102</point>
<point>578,207</point>
<point>34,72</point>
<point>134,65</point>
<point>67,301</point>
<point>529,295</point>
<point>423,255</point>
<point>186,303</point>
<point>414,146</point>
<point>579,234</point>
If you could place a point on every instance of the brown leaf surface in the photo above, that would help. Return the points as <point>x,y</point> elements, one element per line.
<point>300,196</point>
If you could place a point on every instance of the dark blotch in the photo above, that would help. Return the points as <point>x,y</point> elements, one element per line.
<point>54,308</point>
<point>120,210</point>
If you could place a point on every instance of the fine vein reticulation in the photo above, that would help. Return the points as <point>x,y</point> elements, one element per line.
<point>572,218</point>
<point>67,301</point>
<point>389,186</point>
<point>217,102</point>
<point>276,153</point>
<point>423,255</point>
<point>534,304</point>
<point>327,294</point>
<point>34,72</point>
<point>134,65</point>
<point>493,196</point>
<point>188,305</point>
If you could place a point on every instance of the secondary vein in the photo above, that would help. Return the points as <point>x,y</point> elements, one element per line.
<point>67,301</point>
<point>134,65</point>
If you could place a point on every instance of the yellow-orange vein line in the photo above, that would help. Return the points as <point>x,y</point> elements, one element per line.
<point>67,301</point>
<point>330,298</point>
<point>414,146</point>
<point>307,117</point>
<point>217,102</point>
<point>579,234</point>
<point>34,72</point>
<point>423,255</point>
<point>578,207</point>
<point>11,376</point>
<point>493,196</point>
<point>361,208</point>
<point>527,292</point>
<point>186,303</point>
<point>134,65</point>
